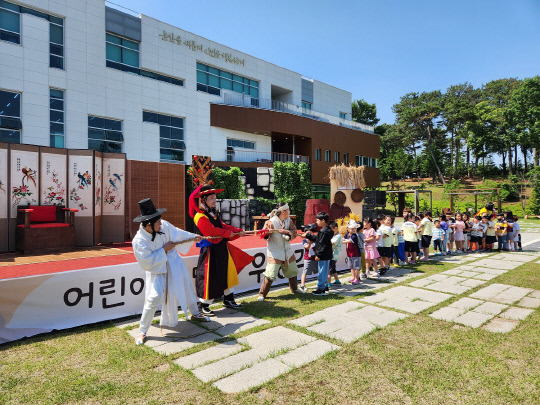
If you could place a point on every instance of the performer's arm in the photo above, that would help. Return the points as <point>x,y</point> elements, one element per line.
<point>149,260</point>
<point>268,225</point>
<point>207,229</point>
<point>293,230</point>
<point>232,229</point>
<point>177,235</point>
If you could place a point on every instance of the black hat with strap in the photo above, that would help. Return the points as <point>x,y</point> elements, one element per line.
<point>148,211</point>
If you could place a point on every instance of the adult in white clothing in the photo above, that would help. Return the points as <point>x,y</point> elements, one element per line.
<point>168,281</point>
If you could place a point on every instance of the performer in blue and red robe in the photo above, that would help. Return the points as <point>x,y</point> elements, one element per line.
<point>219,261</point>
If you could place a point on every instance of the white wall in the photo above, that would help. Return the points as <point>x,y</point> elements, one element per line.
<point>92,89</point>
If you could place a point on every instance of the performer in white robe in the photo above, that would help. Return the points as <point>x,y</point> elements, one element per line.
<point>168,281</point>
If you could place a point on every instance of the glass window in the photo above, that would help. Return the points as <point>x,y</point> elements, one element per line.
<point>346,158</point>
<point>336,157</point>
<point>327,156</point>
<point>105,134</point>
<point>56,34</point>
<point>10,117</point>
<point>358,160</point>
<point>317,154</point>
<point>10,104</point>
<point>171,135</point>
<point>239,143</point>
<point>130,58</point>
<point>122,50</point>
<point>9,21</point>
<point>57,119</point>
<point>150,117</point>
<point>342,115</point>
<point>306,107</point>
<point>217,79</point>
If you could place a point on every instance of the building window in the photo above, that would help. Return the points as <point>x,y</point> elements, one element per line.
<point>327,156</point>
<point>342,115</point>
<point>56,42</point>
<point>358,160</point>
<point>10,117</point>
<point>105,135</point>
<point>10,26</point>
<point>237,143</point>
<point>171,135</point>
<point>306,107</point>
<point>123,52</point>
<point>57,122</point>
<point>346,158</point>
<point>212,80</point>
<point>317,154</point>
<point>336,157</point>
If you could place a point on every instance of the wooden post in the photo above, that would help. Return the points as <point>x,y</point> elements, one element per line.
<point>451,202</point>
<point>416,202</point>
<point>475,202</point>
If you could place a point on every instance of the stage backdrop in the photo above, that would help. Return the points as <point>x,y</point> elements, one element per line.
<point>38,304</point>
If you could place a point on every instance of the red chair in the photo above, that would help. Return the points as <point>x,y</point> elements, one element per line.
<point>45,229</point>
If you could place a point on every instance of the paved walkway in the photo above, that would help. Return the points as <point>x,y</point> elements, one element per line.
<point>244,363</point>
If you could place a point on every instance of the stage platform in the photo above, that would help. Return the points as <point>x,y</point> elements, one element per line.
<point>14,265</point>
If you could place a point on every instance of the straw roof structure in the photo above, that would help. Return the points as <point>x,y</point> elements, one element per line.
<point>348,176</point>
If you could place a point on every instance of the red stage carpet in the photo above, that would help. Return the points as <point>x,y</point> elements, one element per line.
<point>23,270</point>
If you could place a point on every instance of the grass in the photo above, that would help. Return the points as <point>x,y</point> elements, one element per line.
<point>416,360</point>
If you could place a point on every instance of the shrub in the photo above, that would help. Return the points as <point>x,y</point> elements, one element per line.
<point>230,181</point>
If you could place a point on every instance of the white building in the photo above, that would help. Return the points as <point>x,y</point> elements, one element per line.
<point>79,74</point>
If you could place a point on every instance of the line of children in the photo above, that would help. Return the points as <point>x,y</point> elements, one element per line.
<point>370,245</point>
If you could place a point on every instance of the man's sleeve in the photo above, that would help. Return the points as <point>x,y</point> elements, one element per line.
<point>207,229</point>
<point>147,258</point>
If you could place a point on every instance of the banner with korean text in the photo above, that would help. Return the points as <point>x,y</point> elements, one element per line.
<point>42,303</point>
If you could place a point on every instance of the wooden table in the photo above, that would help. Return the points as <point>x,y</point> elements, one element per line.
<point>258,220</point>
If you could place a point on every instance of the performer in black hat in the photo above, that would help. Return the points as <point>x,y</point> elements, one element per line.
<point>168,281</point>
<point>219,261</point>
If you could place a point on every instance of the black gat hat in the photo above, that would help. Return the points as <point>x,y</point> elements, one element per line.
<point>148,210</point>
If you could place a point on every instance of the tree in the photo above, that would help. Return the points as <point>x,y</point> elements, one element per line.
<point>496,97</point>
<point>364,113</point>
<point>459,103</point>
<point>523,116</point>
<point>421,114</point>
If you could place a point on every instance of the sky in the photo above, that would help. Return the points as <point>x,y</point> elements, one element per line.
<point>379,50</point>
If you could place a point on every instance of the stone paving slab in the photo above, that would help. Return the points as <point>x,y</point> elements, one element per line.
<point>517,314</point>
<point>503,293</point>
<point>516,257</point>
<point>252,376</point>
<point>469,312</point>
<point>251,361</point>
<point>473,319</point>
<point>211,354</point>
<point>529,302</point>
<point>497,264</point>
<point>348,321</point>
<point>306,354</point>
<point>229,321</point>
<point>490,308</point>
<point>326,313</point>
<point>408,299</point>
<point>500,325</point>
<point>177,346</point>
<point>187,331</point>
<point>447,283</point>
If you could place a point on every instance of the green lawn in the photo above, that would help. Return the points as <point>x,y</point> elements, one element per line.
<point>416,360</point>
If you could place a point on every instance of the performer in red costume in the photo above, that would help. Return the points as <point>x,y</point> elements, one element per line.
<point>219,261</point>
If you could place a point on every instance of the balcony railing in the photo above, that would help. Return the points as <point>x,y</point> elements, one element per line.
<point>243,100</point>
<point>236,155</point>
